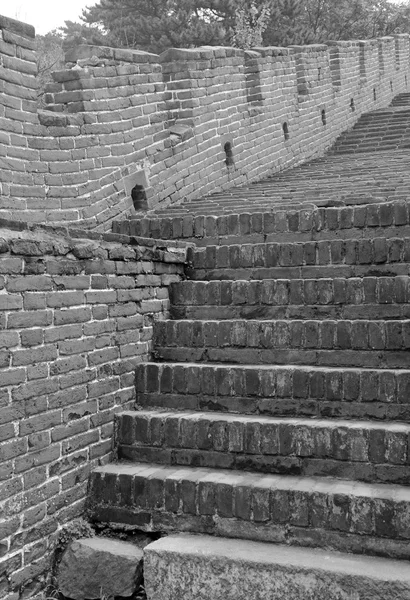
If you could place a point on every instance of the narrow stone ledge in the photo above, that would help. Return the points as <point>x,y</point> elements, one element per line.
<point>199,567</point>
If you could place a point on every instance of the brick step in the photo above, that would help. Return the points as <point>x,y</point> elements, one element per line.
<point>390,125</point>
<point>388,219</point>
<point>386,131</point>
<point>370,344</point>
<point>362,518</point>
<point>370,146</point>
<point>364,335</point>
<point>400,99</point>
<point>362,148</point>
<point>285,200</point>
<point>290,311</point>
<point>395,120</point>
<point>376,257</point>
<point>362,151</point>
<point>374,136</point>
<point>390,116</point>
<point>302,272</point>
<point>390,113</point>
<point>280,391</point>
<point>357,450</point>
<point>311,191</point>
<point>314,182</point>
<point>338,298</point>
<point>228,569</point>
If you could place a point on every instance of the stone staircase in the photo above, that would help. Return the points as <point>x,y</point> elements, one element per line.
<point>368,164</point>
<point>276,408</point>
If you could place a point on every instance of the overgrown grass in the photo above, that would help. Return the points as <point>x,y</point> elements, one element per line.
<point>54,594</point>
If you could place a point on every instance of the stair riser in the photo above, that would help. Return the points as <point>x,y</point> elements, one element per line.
<point>351,385</point>
<point>396,133</point>
<point>262,443</point>
<point>323,221</point>
<point>372,148</point>
<point>219,506</point>
<point>286,237</point>
<point>303,272</point>
<point>337,253</point>
<point>280,391</point>
<point>325,358</point>
<point>311,312</point>
<point>387,130</point>
<point>184,337</point>
<point>374,143</point>
<point>379,296</point>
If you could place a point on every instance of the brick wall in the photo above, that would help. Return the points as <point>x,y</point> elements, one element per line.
<point>21,170</point>
<point>76,318</point>
<point>117,119</point>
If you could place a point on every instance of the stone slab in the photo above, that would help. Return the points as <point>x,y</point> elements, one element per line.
<point>187,567</point>
<point>95,567</point>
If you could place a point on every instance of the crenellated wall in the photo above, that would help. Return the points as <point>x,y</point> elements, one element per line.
<point>178,126</point>
<point>21,169</point>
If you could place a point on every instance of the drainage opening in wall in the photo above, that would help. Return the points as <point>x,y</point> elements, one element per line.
<point>229,161</point>
<point>352,106</point>
<point>405,80</point>
<point>391,85</point>
<point>323,116</point>
<point>285,131</point>
<point>374,94</point>
<point>139,197</point>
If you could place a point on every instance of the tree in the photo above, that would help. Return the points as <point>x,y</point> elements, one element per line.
<point>250,23</point>
<point>80,33</point>
<point>155,25</point>
<point>50,57</point>
<point>316,21</point>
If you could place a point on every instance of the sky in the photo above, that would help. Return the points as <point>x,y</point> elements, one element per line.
<point>45,15</point>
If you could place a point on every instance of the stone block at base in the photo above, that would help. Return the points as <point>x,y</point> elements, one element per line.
<point>188,567</point>
<point>93,568</point>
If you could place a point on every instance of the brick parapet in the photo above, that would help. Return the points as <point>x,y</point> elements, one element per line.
<point>76,317</point>
<point>21,170</point>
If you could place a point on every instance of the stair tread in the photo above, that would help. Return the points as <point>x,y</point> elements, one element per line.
<point>223,568</point>
<point>298,421</point>
<point>228,549</point>
<point>253,320</point>
<point>323,485</point>
<point>264,367</point>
